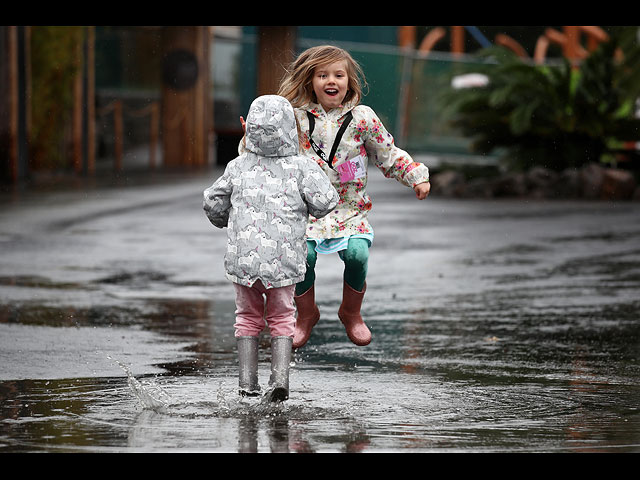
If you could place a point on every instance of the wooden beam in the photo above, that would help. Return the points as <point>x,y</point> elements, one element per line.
<point>12,102</point>
<point>186,102</point>
<point>572,44</point>
<point>595,35</point>
<point>90,102</point>
<point>118,134</point>
<point>276,46</point>
<point>83,114</point>
<point>542,45</point>
<point>15,122</point>
<point>457,40</point>
<point>511,44</point>
<point>430,39</point>
<point>407,37</point>
<point>77,155</point>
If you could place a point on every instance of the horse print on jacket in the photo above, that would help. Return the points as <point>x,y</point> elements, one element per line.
<point>265,197</point>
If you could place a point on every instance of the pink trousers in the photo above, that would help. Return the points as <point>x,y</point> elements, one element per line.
<point>256,305</point>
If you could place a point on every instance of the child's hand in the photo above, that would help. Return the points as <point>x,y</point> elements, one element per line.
<point>422,190</point>
<point>244,124</point>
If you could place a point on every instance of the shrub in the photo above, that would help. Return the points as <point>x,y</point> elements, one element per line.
<point>555,116</point>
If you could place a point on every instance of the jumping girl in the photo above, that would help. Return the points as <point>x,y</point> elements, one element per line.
<point>324,86</point>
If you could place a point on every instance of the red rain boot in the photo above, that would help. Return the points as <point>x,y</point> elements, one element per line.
<point>349,314</point>
<point>308,316</point>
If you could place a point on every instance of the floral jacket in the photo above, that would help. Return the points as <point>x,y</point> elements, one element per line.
<point>365,140</point>
<point>265,197</point>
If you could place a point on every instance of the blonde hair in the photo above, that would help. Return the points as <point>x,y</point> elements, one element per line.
<point>297,86</point>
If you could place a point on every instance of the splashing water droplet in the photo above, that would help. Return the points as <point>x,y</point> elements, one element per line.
<point>150,395</point>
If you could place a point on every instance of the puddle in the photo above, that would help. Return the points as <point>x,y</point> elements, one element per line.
<point>497,326</point>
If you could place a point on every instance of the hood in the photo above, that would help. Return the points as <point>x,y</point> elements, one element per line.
<point>271,127</point>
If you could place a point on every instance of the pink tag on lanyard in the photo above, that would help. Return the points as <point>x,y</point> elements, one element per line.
<point>351,169</point>
<point>347,171</point>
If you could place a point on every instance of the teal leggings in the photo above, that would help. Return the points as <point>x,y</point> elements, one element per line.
<point>355,258</point>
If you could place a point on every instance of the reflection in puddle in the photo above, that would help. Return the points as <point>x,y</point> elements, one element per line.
<point>457,374</point>
<point>499,327</point>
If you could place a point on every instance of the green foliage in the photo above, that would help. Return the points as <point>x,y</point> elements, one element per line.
<point>555,116</point>
<point>54,64</point>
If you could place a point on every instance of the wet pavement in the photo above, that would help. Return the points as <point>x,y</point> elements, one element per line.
<point>498,326</point>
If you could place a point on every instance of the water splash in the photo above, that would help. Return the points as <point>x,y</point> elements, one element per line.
<point>231,404</point>
<point>150,395</point>
<point>226,402</point>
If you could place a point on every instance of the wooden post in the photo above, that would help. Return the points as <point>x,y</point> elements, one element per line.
<point>572,45</point>
<point>542,45</point>
<point>511,44</point>
<point>89,101</point>
<point>154,133</point>
<point>10,128</point>
<point>595,35</point>
<point>76,115</point>
<point>275,50</point>
<point>14,111</point>
<point>118,133</point>
<point>407,37</point>
<point>83,115</point>
<point>186,102</point>
<point>457,40</point>
<point>430,39</point>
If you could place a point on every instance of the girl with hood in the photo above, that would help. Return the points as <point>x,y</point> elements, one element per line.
<point>264,198</point>
<point>342,136</point>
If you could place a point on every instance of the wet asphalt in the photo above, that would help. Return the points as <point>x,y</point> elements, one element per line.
<point>506,325</point>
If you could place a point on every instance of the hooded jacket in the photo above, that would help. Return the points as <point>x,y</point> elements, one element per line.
<point>364,141</point>
<point>265,197</point>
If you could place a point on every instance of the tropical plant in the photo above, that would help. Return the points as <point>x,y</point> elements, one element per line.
<point>556,116</point>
